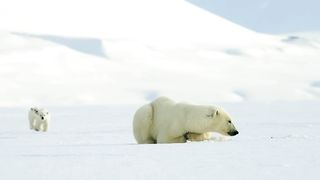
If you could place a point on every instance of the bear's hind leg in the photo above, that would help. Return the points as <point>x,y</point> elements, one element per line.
<point>142,124</point>
<point>148,141</point>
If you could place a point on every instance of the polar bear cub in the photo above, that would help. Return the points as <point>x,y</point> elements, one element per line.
<point>39,119</point>
<point>165,121</point>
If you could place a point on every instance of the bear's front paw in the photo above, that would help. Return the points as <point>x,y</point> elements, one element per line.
<point>197,137</point>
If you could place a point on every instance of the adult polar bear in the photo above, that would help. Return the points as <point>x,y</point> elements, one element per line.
<point>164,121</point>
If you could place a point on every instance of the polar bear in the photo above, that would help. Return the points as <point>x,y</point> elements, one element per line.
<point>164,121</point>
<point>39,119</point>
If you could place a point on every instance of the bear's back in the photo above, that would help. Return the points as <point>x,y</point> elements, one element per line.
<point>163,101</point>
<point>163,109</point>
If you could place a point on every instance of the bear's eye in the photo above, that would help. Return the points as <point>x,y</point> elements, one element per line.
<point>210,115</point>
<point>229,121</point>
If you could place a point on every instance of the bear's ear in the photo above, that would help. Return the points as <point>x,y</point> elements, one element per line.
<point>217,112</point>
<point>213,113</point>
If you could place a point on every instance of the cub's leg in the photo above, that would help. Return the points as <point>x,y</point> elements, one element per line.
<point>37,125</point>
<point>198,137</point>
<point>32,124</point>
<point>45,126</point>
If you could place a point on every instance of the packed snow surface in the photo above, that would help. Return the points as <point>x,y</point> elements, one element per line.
<point>276,141</point>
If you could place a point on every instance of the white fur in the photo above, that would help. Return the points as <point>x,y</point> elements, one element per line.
<point>39,119</point>
<point>164,121</point>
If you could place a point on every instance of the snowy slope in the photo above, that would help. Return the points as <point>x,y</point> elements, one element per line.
<point>54,74</point>
<point>149,49</point>
<point>140,19</point>
<point>36,71</point>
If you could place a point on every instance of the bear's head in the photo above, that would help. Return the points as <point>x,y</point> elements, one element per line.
<point>42,113</point>
<point>221,122</point>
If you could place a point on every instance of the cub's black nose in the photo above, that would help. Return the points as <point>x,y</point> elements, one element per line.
<point>42,118</point>
<point>233,133</point>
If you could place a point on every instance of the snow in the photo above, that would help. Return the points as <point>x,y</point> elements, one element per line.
<point>38,71</point>
<point>93,63</point>
<point>142,20</point>
<point>133,60</point>
<point>276,141</point>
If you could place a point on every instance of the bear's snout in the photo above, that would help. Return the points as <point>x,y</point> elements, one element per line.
<point>233,133</point>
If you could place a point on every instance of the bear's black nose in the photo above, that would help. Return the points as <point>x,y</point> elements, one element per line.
<point>233,133</point>
<point>42,117</point>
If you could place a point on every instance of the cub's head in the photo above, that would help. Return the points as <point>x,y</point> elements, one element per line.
<point>42,113</point>
<point>221,122</point>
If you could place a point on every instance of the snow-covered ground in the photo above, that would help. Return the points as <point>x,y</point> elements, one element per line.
<point>276,141</point>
